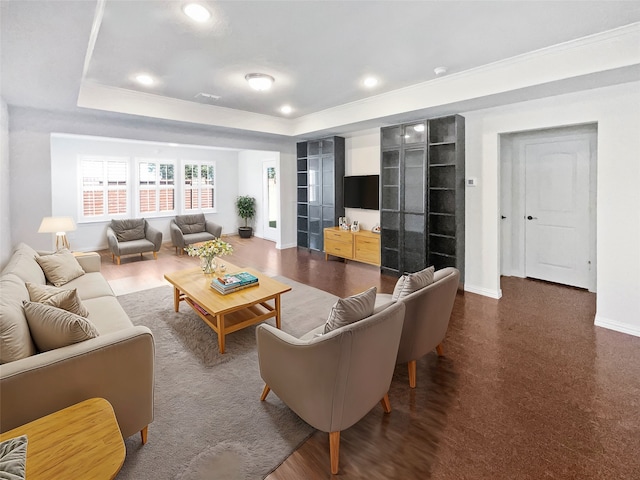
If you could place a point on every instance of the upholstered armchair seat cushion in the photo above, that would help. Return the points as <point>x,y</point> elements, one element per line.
<point>124,237</point>
<point>192,238</point>
<point>136,246</point>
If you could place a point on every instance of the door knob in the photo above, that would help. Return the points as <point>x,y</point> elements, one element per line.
<point>531,218</point>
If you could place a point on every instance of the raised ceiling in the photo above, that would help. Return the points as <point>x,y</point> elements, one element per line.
<point>59,54</point>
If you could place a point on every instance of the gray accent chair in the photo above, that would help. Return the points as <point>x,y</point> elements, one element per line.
<point>332,381</point>
<point>133,235</point>
<point>426,318</point>
<point>188,229</point>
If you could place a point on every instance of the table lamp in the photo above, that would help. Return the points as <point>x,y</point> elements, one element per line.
<point>60,226</point>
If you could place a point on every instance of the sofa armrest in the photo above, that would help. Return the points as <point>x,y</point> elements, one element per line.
<point>177,238</point>
<point>213,228</point>
<point>154,236</point>
<point>117,366</point>
<point>112,240</point>
<point>89,261</point>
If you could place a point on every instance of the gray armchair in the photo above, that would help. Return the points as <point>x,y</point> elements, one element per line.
<point>188,229</point>
<point>426,318</point>
<point>130,236</point>
<point>333,380</point>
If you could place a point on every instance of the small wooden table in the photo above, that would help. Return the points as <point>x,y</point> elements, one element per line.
<point>81,441</point>
<point>227,313</point>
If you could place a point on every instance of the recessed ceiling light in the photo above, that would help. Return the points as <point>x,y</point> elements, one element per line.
<point>419,127</point>
<point>440,70</point>
<point>196,12</point>
<point>259,81</point>
<point>145,79</point>
<point>286,109</point>
<point>370,82</point>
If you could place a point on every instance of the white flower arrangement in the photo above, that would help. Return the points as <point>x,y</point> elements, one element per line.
<point>210,249</point>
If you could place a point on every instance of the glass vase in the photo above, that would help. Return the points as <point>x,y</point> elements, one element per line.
<point>208,264</point>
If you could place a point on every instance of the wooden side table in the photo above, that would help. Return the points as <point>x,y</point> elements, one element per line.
<point>81,441</point>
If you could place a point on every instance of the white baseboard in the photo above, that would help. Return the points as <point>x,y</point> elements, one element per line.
<point>486,292</point>
<point>286,245</point>
<point>617,326</point>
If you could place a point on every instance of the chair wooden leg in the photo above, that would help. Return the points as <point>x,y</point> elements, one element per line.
<point>265,392</point>
<point>440,350</point>
<point>412,373</point>
<point>143,434</point>
<point>386,405</point>
<point>117,260</point>
<point>155,255</point>
<point>334,451</point>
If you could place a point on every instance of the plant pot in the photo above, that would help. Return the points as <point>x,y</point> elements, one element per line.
<point>245,232</point>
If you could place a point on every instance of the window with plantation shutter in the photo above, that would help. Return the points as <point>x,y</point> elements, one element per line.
<point>156,185</point>
<point>199,186</point>
<point>104,188</point>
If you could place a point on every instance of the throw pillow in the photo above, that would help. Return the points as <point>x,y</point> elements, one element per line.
<point>351,309</point>
<point>53,327</point>
<point>195,223</point>
<point>57,297</point>
<point>415,281</point>
<point>13,458</point>
<point>128,229</point>
<point>397,290</point>
<point>60,267</point>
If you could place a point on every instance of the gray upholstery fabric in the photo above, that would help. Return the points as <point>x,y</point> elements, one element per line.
<point>427,315</point>
<point>411,282</point>
<point>191,223</point>
<point>13,458</point>
<point>181,239</point>
<point>351,309</point>
<point>151,240</point>
<point>332,381</point>
<point>128,229</point>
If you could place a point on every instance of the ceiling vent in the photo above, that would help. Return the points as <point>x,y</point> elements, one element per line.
<point>207,97</point>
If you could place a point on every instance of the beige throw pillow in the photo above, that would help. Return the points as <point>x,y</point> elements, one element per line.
<point>351,309</point>
<point>57,297</point>
<point>60,267</point>
<point>53,327</point>
<point>412,282</point>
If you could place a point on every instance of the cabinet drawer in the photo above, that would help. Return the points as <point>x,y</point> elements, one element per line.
<point>339,249</point>
<point>338,235</point>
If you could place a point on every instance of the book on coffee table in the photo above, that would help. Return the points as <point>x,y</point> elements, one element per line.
<point>232,282</point>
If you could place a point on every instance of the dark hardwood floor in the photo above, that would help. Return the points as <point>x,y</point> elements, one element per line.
<point>528,387</point>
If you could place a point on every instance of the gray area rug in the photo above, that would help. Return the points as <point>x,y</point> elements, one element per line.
<point>209,420</point>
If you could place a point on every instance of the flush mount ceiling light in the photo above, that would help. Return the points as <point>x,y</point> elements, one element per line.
<point>440,70</point>
<point>419,127</point>
<point>196,12</point>
<point>286,109</point>
<point>259,81</point>
<point>144,79</point>
<point>370,82</point>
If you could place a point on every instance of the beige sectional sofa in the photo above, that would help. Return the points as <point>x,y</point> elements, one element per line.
<point>117,364</point>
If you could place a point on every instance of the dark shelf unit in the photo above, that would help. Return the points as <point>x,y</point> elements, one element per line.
<point>320,173</point>
<point>422,191</point>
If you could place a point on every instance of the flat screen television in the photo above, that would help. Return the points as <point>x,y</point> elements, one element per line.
<point>362,191</point>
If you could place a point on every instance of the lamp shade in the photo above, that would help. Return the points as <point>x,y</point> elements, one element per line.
<point>57,224</point>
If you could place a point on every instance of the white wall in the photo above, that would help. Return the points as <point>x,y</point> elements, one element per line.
<point>616,110</point>
<point>30,157</point>
<point>362,157</point>
<point>65,150</point>
<point>5,186</point>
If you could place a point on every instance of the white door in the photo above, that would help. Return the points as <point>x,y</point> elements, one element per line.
<point>271,200</point>
<point>557,211</point>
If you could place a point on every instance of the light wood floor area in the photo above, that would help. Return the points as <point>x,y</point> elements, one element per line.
<point>528,387</point>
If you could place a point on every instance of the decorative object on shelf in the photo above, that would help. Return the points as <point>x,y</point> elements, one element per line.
<point>246,206</point>
<point>208,251</point>
<point>60,226</point>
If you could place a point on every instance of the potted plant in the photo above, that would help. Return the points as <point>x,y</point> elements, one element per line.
<point>246,206</point>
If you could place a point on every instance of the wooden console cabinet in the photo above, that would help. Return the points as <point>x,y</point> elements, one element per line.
<point>362,246</point>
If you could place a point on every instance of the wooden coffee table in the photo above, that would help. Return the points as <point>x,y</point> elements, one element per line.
<point>232,312</point>
<point>80,441</point>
